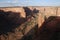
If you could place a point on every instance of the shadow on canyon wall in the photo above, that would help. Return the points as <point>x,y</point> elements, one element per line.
<point>30,12</point>
<point>9,21</point>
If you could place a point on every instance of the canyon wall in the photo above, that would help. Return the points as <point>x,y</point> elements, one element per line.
<point>43,14</point>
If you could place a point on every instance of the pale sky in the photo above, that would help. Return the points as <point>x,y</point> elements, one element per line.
<point>4,3</point>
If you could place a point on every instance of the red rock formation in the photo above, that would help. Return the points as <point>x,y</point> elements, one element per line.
<point>50,29</point>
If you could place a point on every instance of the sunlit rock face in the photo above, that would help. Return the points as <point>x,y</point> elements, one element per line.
<point>15,9</point>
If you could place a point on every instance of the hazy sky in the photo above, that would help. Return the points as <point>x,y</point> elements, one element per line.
<point>29,3</point>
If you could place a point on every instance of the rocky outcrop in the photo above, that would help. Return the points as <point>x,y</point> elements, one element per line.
<point>22,23</point>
